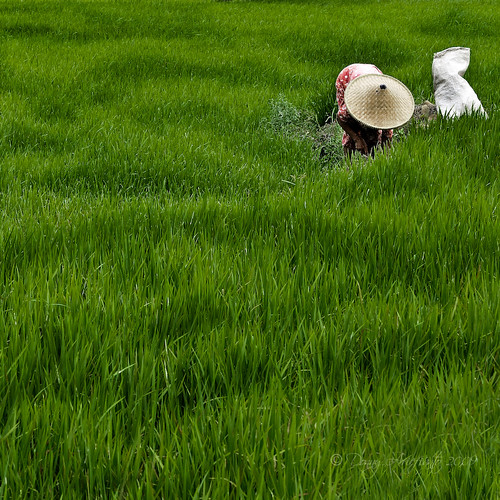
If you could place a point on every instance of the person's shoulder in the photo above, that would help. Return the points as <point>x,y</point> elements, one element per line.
<point>354,70</point>
<point>364,69</point>
<point>344,75</point>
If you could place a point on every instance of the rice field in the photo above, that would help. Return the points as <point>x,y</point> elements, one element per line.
<point>194,303</point>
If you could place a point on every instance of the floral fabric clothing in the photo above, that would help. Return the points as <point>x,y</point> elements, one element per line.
<point>345,77</point>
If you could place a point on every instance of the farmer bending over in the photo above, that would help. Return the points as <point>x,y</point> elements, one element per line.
<point>371,104</point>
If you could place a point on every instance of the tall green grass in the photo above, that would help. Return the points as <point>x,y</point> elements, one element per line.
<point>194,304</point>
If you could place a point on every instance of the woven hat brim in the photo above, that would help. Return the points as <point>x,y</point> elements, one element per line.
<point>379,101</point>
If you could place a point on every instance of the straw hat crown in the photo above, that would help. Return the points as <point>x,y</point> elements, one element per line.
<point>379,101</point>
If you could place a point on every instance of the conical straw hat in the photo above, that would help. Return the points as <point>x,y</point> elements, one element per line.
<point>379,101</point>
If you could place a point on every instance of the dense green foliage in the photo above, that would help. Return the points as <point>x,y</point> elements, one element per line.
<point>193,304</point>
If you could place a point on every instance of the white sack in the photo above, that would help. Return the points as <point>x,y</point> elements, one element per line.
<point>453,94</point>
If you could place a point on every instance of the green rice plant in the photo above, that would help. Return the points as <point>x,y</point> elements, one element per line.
<point>195,302</point>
